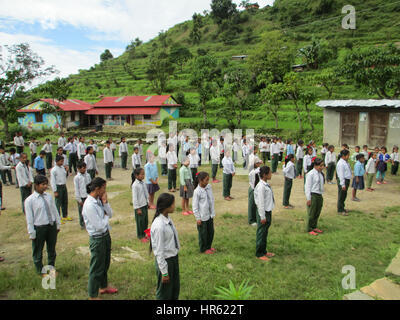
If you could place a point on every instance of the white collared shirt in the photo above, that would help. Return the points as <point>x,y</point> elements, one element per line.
<point>252,177</point>
<point>163,241</point>
<point>245,150</point>
<point>228,165</point>
<point>24,175</point>
<point>71,147</point>
<point>307,161</point>
<point>48,148</point>
<point>203,203</point>
<point>395,156</point>
<point>299,153</point>
<point>214,152</point>
<point>171,159</point>
<point>330,157</point>
<point>123,147</point>
<point>275,149</point>
<point>343,171</point>
<point>81,149</point>
<point>194,160</point>
<point>19,141</point>
<point>5,164</point>
<point>90,161</point>
<point>62,142</point>
<point>33,147</point>
<point>65,161</point>
<point>371,166</point>
<point>35,212</point>
<point>80,182</point>
<point>96,216</point>
<point>314,183</point>
<point>58,177</point>
<point>136,160</point>
<point>108,157</point>
<point>263,146</point>
<point>264,198</point>
<point>140,195</point>
<point>162,152</point>
<point>289,170</point>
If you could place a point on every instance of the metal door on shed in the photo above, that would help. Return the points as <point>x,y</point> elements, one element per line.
<point>378,128</point>
<point>349,127</point>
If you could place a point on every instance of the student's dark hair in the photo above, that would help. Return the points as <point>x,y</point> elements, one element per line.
<point>39,179</point>
<point>318,162</point>
<point>394,148</point>
<point>60,148</point>
<point>135,148</point>
<point>135,173</point>
<point>359,156</point>
<point>288,158</point>
<point>331,147</point>
<point>384,148</point>
<point>268,140</point>
<point>1,147</point>
<point>122,138</point>
<point>88,149</point>
<point>13,150</point>
<point>108,142</point>
<point>59,158</point>
<point>81,164</point>
<point>264,171</point>
<point>371,155</point>
<point>97,183</point>
<point>345,145</point>
<point>357,147</point>
<point>365,146</point>
<point>43,153</point>
<point>344,153</point>
<point>164,201</point>
<point>202,175</point>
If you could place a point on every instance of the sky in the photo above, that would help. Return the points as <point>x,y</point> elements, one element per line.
<point>72,34</point>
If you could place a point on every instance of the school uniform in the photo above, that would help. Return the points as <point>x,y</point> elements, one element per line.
<point>72,147</point>
<point>39,166</point>
<point>24,177</point>
<point>58,182</point>
<point>61,143</point>
<point>81,183</point>
<point>395,166</point>
<point>65,164</point>
<point>228,171</point>
<point>203,209</point>
<point>359,172</point>
<point>162,155</point>
<point>343,174</point>
<point>214,153</point>
<point>289,149</point>
<point>33,149</point>
<point>370,168</point>
<point>165,245</point>
<point>95,149</point>
<point>235,150</point>
<point>108,161</point>
<point>43,224</point>
<point>113,147</point>
<point>307,163</point>
<point>5,168</point>
<point>206,145</point>
<point>48,148</point>
<point>123,153</point>
<point>172,160</point>
<point>265,202</point>
<point>275,150</point>
<point>96,216</point>
<point>330,163</point>
<point>263,149</point>
<point>252,208</point>
<point>289,171</point>
<point>136,161</point>
<point>246,154</point>
<point>91,165</point>
<point>382,166</point>
<point>140,199</point>
<point>185,179</point>
<point>221,146</point>
<point>323,153</point>
<point>194,164</point>
<point>314,189</point>
<point>19,144</point>
<point>151,172</point>
<point>299,157</point>
<point>81,151</point>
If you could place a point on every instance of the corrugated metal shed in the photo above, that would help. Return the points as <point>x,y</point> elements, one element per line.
<point>359,103</point>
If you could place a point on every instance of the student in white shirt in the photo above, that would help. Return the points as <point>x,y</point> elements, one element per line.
<point>330,163</point>
<point>275,151</point>
<point>43,223</point>
<point>72,148</point>
<point>370,169</point>
<point>136,161</point>
<point>307,162</point>
<point>19,142</point>
<point>172,160</point>
<point>263,146</point>
<point>246,154</point>
<point>324,150</point>
<point>94,146</point>
<point>108,160</point>
<point>81,149</point>
<point>254,178</point>
<point>81,183</point>
<point>62,142</point>
<point>165,245</point>
<point>299,158</point>
<point>289,172</point>
<point>123,153</point>
<point>204,212</point>
<point>5,167</point>
<point>49,154</point>
<point>344,175</point>
<point>235,150</point>
<point>140,200</point>
<point>282,148</point>
<point>265,202</point>
<point>61,153</point>
<point>193,165</point>
<point>395,160</point>
<point>314,189</point>
<point>96,213</point>
<point>91,163</point>
<point>214,153</point>
<point>24,179</point>
<point>162,155</point>
<point>33,149</point>
<point>58,182</point>
<point>113,147</point>
<point>228,174</point>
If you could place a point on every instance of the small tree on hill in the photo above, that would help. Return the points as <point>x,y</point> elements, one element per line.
<point>106,55</point>
<point>293,89</point>
<point>328,79</point>
<point>159,70</point>
<point>180,55</point>
<point>307,98</point>
<point>222,10</point>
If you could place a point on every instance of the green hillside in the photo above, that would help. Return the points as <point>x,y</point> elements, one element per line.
<point>300,21</point>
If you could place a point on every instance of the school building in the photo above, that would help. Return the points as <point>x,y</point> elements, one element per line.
<point>33,117</point>
<point>359,122</point>
<point>138,111</point>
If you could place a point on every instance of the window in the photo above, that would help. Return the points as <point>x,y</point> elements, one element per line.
<point>72,116</point>
<point>147,117</point>
<point>38,117</point>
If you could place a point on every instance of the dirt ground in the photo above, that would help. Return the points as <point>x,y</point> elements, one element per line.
<point>15,244</point>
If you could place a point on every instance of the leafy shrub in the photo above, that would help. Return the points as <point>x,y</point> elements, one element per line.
<point>231,293</point>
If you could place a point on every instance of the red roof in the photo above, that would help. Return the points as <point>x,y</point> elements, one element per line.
<point>67,105</point>
<point>138,101</point>
<point>122,111</point>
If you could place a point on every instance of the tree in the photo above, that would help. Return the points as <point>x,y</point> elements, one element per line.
<point>163,38</point>
<point>106,55</point>
<point>328,79</point>
<point>294,91</point>
<point>204,73</point>
<point>19,67</point>
<point>195,34</point>
<point>376,68</point>
<point>58,91</point>
<point>159,70</point>
<point>317,53</point>
<point>180,55</point>
<point>222,10</point>
<point>307,98</point>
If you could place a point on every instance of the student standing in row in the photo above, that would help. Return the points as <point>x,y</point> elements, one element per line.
<point>324,150</point>
<point>299,157</point>
<point>24,179</point>
<point>5,167</point>
<point>140,199</point>
<point>81,182</point>
<point>275,151</point>
<point>307,162</point>
<point>162,154</point>
<point>113,147</point>
<point>204,212</point>
<point>108,160</point>
<point>199,150</point>
<point>39,163</point>
<point>228,174</point>
<point>96,213</point>
<point>172,160</point>
<point>358,181</point>
<point>235,150</point>
<point>252,208</point>
<point>289,172</point>
<point>151,180</point>
<point>33,149</point>
<point>136,161</point>
<point>214,153</point>
<point>165,245</point>
<point>395,160</point>
<point>19,142</point>
<point>43,223</point>
<point>343,173</point>
<point>330,163</point>
<point>62,142</point>
<point>58,182</point>
<point>193,165</point>
<point>314,189</point>
<point>94,146</point>
<point>15,159</point>
<point>355,154</point>
<point>264,199</point>
<point>186,189</point>
<point>61,153</point>
<point>382,160</point>
<point>49,154</point>
<point>123,153</point>
<point>263,146</point>
<point>289,147</point>
<point>91,163</point>
<point>246,154</point>
<point>72,147</point>
<point>371,171</point>
<point>81,149</point>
